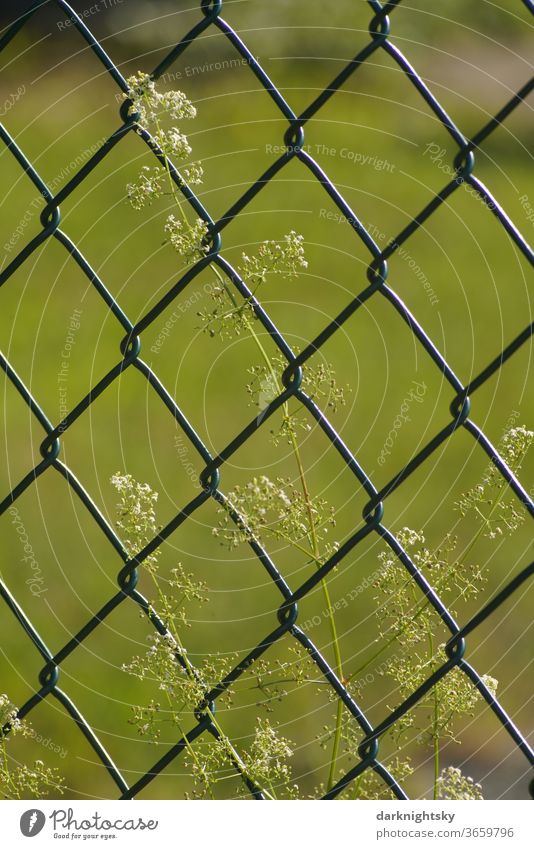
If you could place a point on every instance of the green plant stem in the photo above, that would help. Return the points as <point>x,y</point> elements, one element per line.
<point>305,492</point>
<point>278,534</point>
<point>172,184</point>
<point>422,607</point>
<point>312,532</point>
<point>265,687</point>
<point>486,519</point>
<point>435,725</point>
<point>426,602</point>
<point>234,754</point>
<point>5,774</point>
<point>188,745</point>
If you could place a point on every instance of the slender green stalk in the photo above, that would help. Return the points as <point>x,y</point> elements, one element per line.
<point>425,603</point>
<point>312,532</point>
<point>435,725</point>
<point>304,487</point>
<point>234,754</point>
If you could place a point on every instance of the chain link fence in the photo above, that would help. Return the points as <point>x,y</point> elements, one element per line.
<point>373,521</point>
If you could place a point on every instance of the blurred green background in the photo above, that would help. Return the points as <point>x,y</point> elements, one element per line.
<point>386,152</point>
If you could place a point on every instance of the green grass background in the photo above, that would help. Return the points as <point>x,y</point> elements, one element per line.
<point>479,279</point>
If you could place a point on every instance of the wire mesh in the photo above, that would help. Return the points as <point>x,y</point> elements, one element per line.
<point>375,286</point>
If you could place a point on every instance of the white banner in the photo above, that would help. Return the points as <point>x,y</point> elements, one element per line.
<point>306,824</point>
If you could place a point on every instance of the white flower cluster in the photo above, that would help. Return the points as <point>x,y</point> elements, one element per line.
<point>491,684</point>
<point>149,105</point>
<point>193,173</point>
<point>8,715</point>
<point>20,781</point>
<point>136,516</point>
<point>231,316</point>
<point>151,108</point>
<point>487,500</point>
<point>452,784</point>
<point>173,143</point>
<point>267,758</point>
<point>285,258</point>
<point>277,510</point>
<point>186,238</point>
<point>149,186</point>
